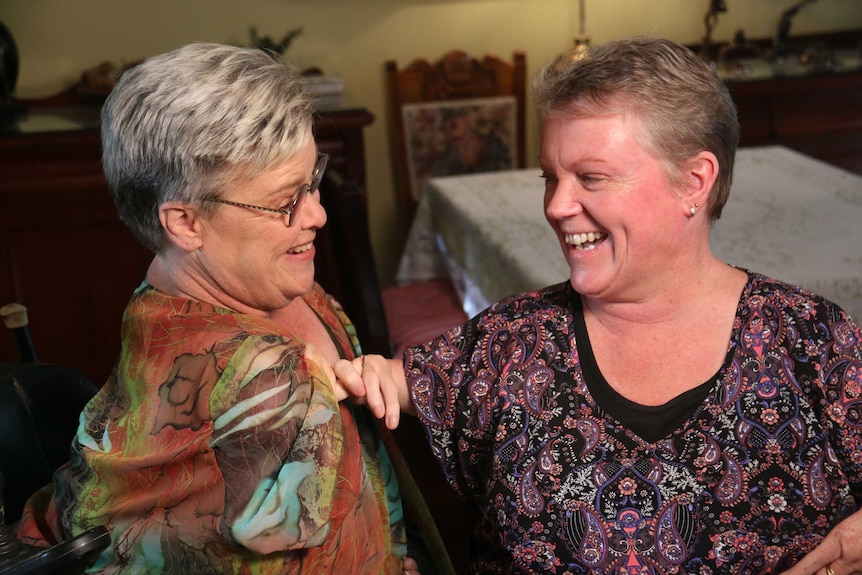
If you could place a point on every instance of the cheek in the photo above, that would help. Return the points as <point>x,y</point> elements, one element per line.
<point>267,240</point>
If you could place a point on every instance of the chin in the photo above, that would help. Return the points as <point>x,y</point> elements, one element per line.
<point>294,283</point>
<point>585,283</point>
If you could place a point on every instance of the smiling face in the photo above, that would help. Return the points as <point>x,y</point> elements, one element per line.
<point>251,259</point>
<point>615,214</point>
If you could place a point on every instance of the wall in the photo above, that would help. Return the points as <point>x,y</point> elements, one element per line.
<point>57,39</point>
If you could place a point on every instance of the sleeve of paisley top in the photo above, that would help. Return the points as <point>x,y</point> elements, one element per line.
<point>840,367</point>
<point>277,439</point>
<point>454,383</point>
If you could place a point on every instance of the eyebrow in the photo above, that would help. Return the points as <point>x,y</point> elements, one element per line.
<point>293,184</point>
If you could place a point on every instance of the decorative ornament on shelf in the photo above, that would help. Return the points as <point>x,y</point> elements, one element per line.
<point>267,43</point>
<point>782,34</point>
<point>716,7</point>
<point>327,89</point>
<point>735,57</point>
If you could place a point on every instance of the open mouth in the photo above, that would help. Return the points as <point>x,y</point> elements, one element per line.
<point>300,249</point>
<point>585,241</point>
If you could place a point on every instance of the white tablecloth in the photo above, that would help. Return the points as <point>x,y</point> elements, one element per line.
<point>789,216</point>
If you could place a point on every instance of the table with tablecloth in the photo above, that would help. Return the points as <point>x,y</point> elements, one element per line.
<point>789,216</point>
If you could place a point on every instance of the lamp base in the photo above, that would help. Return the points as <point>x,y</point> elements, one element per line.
<point>580,47</point>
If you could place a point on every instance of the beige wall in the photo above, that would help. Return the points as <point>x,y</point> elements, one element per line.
<point>57,39</point>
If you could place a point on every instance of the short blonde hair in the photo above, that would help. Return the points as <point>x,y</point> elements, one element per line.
<point>683,104</point>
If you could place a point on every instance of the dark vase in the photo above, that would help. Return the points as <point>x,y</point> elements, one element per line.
<point>10,110</point>
<point>8,63</point>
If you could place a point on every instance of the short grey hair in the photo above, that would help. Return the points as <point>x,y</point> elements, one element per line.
<point>684,105</point>
<point>179,126</point>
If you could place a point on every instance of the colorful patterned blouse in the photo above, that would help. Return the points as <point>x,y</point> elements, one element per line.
<point>215,447</point>
<point>756,472</point>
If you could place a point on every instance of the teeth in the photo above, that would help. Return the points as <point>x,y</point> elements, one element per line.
<point>301,249</point>
<point>584,241</point>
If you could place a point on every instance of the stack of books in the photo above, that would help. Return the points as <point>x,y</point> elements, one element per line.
<point>329,90</point>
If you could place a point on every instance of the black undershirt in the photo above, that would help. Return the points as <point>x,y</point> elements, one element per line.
<point>649,422</point>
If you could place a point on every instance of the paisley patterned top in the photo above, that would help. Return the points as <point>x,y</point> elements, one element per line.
<point>215,447</point>
<point>750,481</point>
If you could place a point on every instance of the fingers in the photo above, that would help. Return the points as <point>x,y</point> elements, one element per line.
<point>381,394</point>
<point>370,379</point>
<point>410,567</point>
<point>393,406</point>
<point>812,563</point>
<point>839,551</point>
<point>348,374</point>
<point>380,389</point>
<point>373,394</point>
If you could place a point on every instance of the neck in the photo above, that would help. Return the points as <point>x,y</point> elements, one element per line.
<point>176,275</point>
<point>674,297</point>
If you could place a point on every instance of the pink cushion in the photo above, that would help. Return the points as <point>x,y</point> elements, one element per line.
<point>419,312</point>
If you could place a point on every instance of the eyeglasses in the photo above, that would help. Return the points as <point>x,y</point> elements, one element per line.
<point>292,210</point>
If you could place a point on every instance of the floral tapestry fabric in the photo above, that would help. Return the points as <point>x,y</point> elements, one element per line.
<point>450,137</point>
<point>753,479</point>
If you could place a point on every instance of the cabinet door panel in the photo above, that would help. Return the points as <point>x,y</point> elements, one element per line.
<point>75,276</point>
<point>817,115</point>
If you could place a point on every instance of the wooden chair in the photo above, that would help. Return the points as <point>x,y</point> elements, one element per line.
<point>457,115</point>
<point>345,267</point>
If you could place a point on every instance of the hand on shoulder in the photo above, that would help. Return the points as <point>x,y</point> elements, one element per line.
<point>377,382</point>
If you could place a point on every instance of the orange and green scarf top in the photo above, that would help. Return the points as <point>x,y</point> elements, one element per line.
<point>216,447</point>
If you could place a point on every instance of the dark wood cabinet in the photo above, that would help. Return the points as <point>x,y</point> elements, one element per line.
<point>804,95</point>
<point>818,115</point>
<point>63,251</point>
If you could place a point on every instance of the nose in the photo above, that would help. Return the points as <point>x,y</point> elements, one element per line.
<point>562,199</point>
<point>313,213</point>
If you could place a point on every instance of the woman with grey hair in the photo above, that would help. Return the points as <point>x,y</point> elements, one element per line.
<point>219,445</point>
<point>661,411</point>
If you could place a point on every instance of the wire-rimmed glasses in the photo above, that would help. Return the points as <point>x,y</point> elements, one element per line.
<point>293,209</point>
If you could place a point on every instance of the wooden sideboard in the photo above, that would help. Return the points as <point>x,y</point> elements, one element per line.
<point>806,99</point>
<point>63,251</point>
<point>818,115</point>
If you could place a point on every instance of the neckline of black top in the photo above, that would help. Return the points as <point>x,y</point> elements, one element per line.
<point>649,422</point>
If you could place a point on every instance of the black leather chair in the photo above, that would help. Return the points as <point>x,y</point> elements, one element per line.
<point>40,406</point>
<point>39,409</point>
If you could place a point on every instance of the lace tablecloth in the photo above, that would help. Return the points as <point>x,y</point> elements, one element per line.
<point>789,216</point>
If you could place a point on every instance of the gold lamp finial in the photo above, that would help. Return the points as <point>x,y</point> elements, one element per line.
<point>582,41</point>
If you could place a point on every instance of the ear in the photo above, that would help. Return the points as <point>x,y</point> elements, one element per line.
<point>182,225</point>
<point>700,176</point>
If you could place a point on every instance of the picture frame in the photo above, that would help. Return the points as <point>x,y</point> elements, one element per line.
<point>456,137</point>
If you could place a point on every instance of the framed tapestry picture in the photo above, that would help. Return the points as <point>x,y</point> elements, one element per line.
<point>453,137</point>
